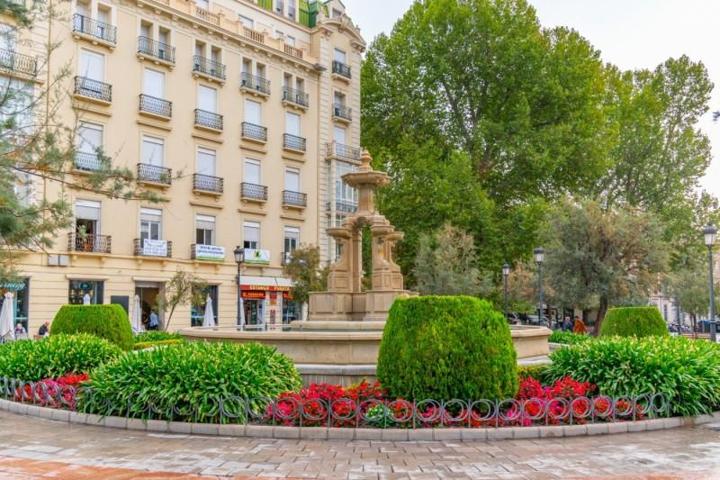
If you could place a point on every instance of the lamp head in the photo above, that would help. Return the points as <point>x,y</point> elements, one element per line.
<point>539,255</point>
<point>239,254</point>
<point>506,269</point>
<point>710,232</point>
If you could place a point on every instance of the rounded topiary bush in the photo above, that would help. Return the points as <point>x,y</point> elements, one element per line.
<point>189,382</point>
<point>633,322</point>
<point>105,321</point>
<point>55,356</point>
<point>445,348</point>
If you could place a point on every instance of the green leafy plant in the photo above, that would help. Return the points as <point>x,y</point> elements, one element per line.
<point>187,382</point>
<point>535,371</point>
<point>54,356</point>
<point>447,347</point>
<point>634,321</point>
<point>105,321</point>
<point>157,336</point>
<point>568,338</point>
<point>688,371</point>
<point>156,343</point>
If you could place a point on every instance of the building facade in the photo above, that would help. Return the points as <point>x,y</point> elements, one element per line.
<point>241,115</point>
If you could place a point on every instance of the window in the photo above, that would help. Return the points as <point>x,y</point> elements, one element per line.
<point>87,224</point>
<point>89,139</point>
<point>8,37</point>
<point>204,230</point>
<point>154,83</point>
<point>17,102</point>
<point>80,288</point>
<point>207,99</point>
<point>253,112</point>
<point>21,296</point>
<point>291,9</point>
<point>279,6</point>
<point>206,161</point>
<point>343,192</point>
<point>339,98</point>
<point>340,56</point>
<point>197,312</point>
<point>205,4</point>
<point>152,151</point>
<point>292,124</point>
<point>251,235</point>
<point>146,29</point>
<point>251,172</point>
<point>340,135</point>
<point>199,49</point>
<point>292,240</point>
<point>300,84</point>
<point>92,65</point>
<point>290,40</point>
<point>292,179</point>
<point>150,224</point>
<point>247,22</point>
<point>287,80</point>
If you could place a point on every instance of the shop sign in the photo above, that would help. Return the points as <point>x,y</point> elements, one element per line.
<point>210,253</point>
<point>155,248</point>
<point>253,295</point>
<point>257,257</point>
<point>12,286</point>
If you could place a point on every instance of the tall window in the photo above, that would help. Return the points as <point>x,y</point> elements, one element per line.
<point>345,195</point>
<point>251,172</point>
<point>339,99</point>
<point>340,135</point>
<point>89,142</point>
<point>153,151</point>
<point>150,224</point>
<point>292,179</point>
<point>292,240</point>
<point>87,220</point>
<point>251,235</point>
<point>280,6</point>
<point>206,161</point>
<point>207,99</point>
<point>247,21</point>
<point>17,101</point>
<point>340,56</point>
<point>292,123</point>
<point>92,65</point>
<point>8,37</point>
<point>253,112</point>
<point>204,230</point>
<point>154,83</point>
<point>292,9</point>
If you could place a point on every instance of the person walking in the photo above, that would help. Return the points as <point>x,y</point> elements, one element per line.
<point>154,321</point>
<point>44,329</point>
<point>567,325</point>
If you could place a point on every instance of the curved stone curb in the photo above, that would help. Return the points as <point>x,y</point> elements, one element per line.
<point>389,434</point>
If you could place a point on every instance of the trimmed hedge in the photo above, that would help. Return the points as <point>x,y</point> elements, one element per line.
<point>55,356</point>
<point>568,338</point>
<point>633,322</point>
<point>156,343</point>
<point>157,336</point>
<point>443,348</point>
<point>105,321</point>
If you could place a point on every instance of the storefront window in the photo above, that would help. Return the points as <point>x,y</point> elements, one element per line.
<point>291,309</point>
<point>197,312</point>
<point>80,288</point>
<point>21,297</point>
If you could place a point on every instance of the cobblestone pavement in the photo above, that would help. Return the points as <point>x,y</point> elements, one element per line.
<point>30,446</point>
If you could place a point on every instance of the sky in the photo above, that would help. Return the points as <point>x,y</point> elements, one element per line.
<point>631,34</point>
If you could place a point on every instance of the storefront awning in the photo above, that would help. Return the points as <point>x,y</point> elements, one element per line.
<point>273,284</point>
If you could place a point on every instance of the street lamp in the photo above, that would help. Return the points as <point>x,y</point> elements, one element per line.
<point>506,274</point>
<point>239,259</point>
<point>710,233</point>
<point>539,259</point>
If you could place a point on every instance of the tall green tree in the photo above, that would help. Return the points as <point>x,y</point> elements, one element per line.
<point>303,268</point>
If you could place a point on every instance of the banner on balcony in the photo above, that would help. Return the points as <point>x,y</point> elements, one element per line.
<point>257,257</point>
<point>155,248</point>
<point>209,253</point>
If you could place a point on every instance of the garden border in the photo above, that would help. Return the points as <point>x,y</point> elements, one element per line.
<point>325,433</point>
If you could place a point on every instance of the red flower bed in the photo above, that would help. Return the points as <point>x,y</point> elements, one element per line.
<point>53,392</point>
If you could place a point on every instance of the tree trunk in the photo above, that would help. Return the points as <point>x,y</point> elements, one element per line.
<point>602,310</point>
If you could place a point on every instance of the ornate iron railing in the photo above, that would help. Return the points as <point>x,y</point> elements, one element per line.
<point>88,161</point>
<point>342,111</point>
<point>341,69</point>
<point>18,63</point>
<point>208,67</point>
<point>154,174</point>
<point>254,132</point>
<point>90,88</point>
<point>344,152</point>
<point>293,142</point>
<point>254,82</point>
<point>89,243</point>
<point>152,48</point>
<point>206,119</point>
<point>298,97</point>
<point>253,191</point>
<point>138,249</point>
<point>156,106</point>
<point>294,199</point>
<point>207,183</point>
<point>100,30</point>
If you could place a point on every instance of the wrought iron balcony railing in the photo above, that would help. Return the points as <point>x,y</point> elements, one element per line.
<point>154,174</point>
<point>158,50</point>
<point>89,243</point>
<point>253,191</point>
<point>342,111</point>
<point>208,67</point>
<point>294,199</point>
<point>18,63</point>
<point>88,161</point>
<point>293,142</point>
<point>254,132</point>
<point>341,69</point>
<point>343,152</point>
<point>155,106</point>
<point>298,97</point>
<point>90,88</point>
<point>206,119</point>
<point>207,183</point>
<point>249,81</point>
<point>93,28</point>
<point>152,248</point>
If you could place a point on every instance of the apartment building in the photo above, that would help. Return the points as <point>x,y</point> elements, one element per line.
<point>242,115</point>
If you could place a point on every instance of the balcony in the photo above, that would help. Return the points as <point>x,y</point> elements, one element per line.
<point>296,98</point>
<point>207,184</point>
<point>207,253</point>
<point>339,151</point>
<point>286,258</point>
<point>254,84</point>
<point>253,35</point>
<point>88,162</point>
<point>94,90</point>
<point>96,32</point>
<point>152,248</point>
<point>294,143</point>
<point>155,51</point>
<point>253,192</point>
<point>344,206</point>
<point>208,120</point>
<point>18,63</point>
<point>154,174</point>
<point>155,107</point>
<point>341,70</point>
<point>89,243</point>
<point>342,113</point>
<point>294,199</point>
<point>292,51</point>
<point>209,69</point>
<point>255,133</point>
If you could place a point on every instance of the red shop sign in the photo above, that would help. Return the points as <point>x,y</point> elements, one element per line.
<point>253,295</point>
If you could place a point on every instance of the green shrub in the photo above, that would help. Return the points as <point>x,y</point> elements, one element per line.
<point>186,382</point>
<point>688,371</point>
<point>105,321</point>
<point>157,336</point>
<point>537,372</point>
<point>447,347</point>
<point>33,360</point>
<point>568,338</point>
<point>633,321</point>
<point>156,343</point>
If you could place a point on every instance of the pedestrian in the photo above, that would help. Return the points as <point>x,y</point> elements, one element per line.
<point>567,325</point>
<point>579,326</point>
<point>44,330</point>
<point>154,322</point>
<point>20,330</point>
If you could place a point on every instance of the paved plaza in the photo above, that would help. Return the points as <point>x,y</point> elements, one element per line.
<point>33,448</point>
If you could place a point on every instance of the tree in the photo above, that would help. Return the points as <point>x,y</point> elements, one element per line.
<point>182,289</point>
<point>303,268</point>
<point>690,289</point>
<point>596,258</point>
<point>446,264</point>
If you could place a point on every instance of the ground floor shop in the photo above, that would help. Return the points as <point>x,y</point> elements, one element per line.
<point>266,303</point>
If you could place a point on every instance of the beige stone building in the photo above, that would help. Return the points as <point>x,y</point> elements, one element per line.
<point>243,115</point>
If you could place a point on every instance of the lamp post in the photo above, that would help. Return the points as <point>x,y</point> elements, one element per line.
<point>710,233</point>
<point>239,259</point>
<point>506,274</point>
<point>539,259</point>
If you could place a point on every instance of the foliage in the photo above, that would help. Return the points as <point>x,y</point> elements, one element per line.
<point>523,288</point>
<point>446,264</point>
<point>634,322</point>
<point>182,289</point>
<point>690,289</point>
<point>105,321</point>
<point>156,336</point>
<point>303,268</point>
<point>156,343</point>
<point>186,382</point>
<point>534,371</point>
<point>58,392</point>
<point>447,347</point>
<point>568,338</point>
<point>685,370</point>
<point>55,356</point>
